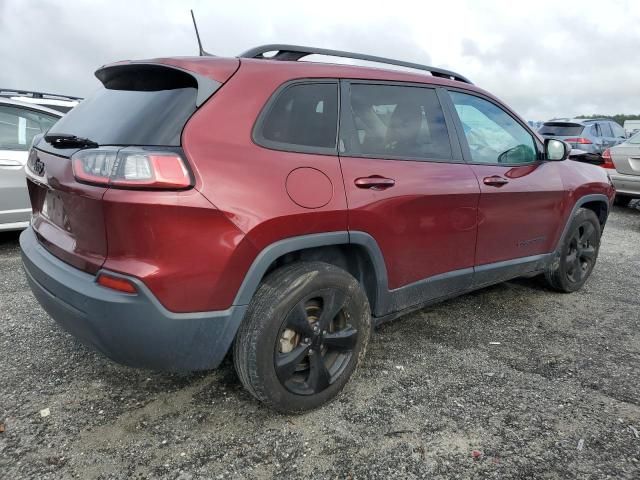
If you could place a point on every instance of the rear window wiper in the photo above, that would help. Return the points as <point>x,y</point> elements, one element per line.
<point>67,140</point>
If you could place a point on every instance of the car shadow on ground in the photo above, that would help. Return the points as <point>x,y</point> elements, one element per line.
<point>9,239</point>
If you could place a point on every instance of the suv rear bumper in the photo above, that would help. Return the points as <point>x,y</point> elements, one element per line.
<point>134,330</point>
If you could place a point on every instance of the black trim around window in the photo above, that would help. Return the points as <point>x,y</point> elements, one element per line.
<point>260,140</point>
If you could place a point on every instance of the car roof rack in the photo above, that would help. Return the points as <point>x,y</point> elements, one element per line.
<point>296,52</point>
<point>10,92</point>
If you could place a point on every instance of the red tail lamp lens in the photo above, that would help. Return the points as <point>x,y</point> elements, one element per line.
<point>580,140</point>
<point>131,168</point>
<point>116,283</point>
<point>607,160</point>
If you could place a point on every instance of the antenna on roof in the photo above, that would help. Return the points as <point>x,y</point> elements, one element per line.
<point>202,51</point>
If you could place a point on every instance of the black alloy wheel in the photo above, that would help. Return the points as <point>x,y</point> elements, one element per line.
<point>581,254</point>
<point>316,343</point>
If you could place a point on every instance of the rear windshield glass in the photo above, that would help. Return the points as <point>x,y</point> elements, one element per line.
<point>131,117</point>
<point>561,129</point>
<point>139,104</point>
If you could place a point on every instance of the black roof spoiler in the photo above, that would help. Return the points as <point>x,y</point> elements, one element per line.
<point>296,52</point>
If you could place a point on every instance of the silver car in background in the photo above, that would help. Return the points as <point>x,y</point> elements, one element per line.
<point>626,175</point>
<point>593,135</point>
<point>19,123</point>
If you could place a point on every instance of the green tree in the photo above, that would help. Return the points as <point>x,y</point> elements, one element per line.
<point>618,117</point>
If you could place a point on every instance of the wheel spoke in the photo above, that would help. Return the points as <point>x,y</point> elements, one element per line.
<point>587,232</point>
<point>286,363</point>
<point>297,320</point>
<point>318,374</point>
<point>343,340</point>
<point>332,302</point>
<point>589,253</point>
<point>577,270</point>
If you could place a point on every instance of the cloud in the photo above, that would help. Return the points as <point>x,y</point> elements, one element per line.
<point>544,61</point>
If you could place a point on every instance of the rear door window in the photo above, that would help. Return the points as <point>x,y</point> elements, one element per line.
<point>18,126</point>
<point>391,121</point>
<point>301,117</point>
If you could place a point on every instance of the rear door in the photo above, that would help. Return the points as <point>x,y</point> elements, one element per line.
<point>608,139</point>
<point>521,197</point>
<point>18,126</point>
<point>406,182</point>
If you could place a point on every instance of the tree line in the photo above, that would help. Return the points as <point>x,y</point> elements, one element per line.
<point>619,118</point>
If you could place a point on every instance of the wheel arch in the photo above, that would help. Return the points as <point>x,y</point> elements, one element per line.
<point>598,203</point>
<point>355,252</point>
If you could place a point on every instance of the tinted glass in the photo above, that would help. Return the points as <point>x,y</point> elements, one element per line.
<point>305,115</point>
<point>395,121</point>
<point>18,127</point>
<point>131,117</point>
<point>605,128</point>
<point>492,134</point>
<point>561,129</point>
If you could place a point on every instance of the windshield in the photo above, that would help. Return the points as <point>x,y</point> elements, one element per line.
<point>635,139</point>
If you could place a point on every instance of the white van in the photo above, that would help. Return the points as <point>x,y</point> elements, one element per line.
<point>631,127</point>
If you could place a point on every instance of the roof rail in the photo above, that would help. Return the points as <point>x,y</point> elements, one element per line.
<point>296,52</point>
<point>10,92</point>
<point>595,119</point>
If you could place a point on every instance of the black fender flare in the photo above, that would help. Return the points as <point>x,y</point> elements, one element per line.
<point>595,197</point>
<point>277,249</point>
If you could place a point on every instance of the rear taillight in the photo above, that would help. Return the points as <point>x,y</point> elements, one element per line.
<point>131,168</point>
<point>580,140</point>
<point>607,161</point>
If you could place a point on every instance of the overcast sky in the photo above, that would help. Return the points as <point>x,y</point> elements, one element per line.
<point>544,58</point>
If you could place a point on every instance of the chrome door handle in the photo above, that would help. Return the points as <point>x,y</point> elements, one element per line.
<point>495,181</point>
<point>374,182</point>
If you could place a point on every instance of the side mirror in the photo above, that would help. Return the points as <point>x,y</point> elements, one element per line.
<point>556,150</point>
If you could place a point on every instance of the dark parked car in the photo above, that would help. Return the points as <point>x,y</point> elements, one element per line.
<point>590,135</point>
<point>282,208</point>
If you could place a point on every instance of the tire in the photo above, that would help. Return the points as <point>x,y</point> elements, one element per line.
<point>622,201</point>
<point>578,253</point>
<point>280,356</point>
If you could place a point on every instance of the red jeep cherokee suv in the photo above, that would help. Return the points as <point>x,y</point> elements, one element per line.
<point>280,209</point>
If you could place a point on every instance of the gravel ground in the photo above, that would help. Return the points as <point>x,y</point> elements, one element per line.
<point>558,397</point>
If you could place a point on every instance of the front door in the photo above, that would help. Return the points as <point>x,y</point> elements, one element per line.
<point>520,209</point>
<point>408,187</point>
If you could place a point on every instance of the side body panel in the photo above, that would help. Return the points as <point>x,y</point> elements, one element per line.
<point>522,217</point>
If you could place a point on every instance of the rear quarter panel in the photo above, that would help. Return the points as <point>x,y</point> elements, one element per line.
<point>247,182</point>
